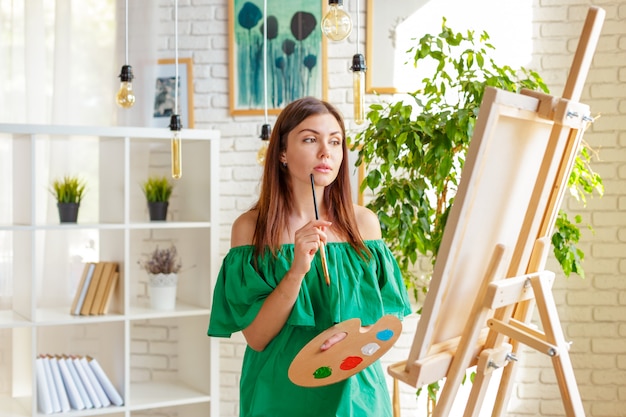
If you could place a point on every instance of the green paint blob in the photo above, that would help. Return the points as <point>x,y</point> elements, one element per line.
<point>322,372</point>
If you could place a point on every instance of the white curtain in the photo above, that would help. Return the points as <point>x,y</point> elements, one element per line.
<point>60,60</point>
<point>56,56</point>
<point>59,64</point>
<point>142,56</point>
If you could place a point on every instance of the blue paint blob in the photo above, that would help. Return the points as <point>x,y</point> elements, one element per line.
<point>384,335</point>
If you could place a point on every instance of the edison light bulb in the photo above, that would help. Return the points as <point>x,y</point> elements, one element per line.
<point>175,127</point>
<point>265,137</point>
<point>337,24</point>
<point>125,97</point>
<point>260,155</point>
<point>358,85</point>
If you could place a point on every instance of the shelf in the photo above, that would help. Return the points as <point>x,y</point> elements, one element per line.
<point>111,411</point>
<point>42,260</point>
<point>15,407</point>
<point>10,319</point>
<point>142,312</point>
<point>61,316</point>
<point>28,130</point>
<point>168,394</point>
<point>107,226</point>
<point>170,225</point>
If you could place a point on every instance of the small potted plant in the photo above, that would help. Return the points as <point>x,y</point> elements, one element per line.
<point>69,192</point>
<point>162,266</point>
<point>157,190</point>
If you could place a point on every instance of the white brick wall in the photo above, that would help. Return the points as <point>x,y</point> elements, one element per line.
<point>593,311</point>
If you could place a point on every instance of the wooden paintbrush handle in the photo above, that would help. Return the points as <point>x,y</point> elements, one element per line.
<point>324,264</point>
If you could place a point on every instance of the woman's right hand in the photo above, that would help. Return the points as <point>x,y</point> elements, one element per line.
<point>307,242</point>
<point>276,309</point>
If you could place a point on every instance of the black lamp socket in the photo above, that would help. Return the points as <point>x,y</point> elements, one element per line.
<point>358,63</point>
<point>127,73</point>
<point>175,123</point>
<point>266,129</point>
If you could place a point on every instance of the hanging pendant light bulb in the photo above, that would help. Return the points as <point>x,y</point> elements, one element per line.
<point>125,96</point>
<point>175,127</point>
<point>336,24</point>
<point>358,85</point>
<point>358,78</point>
<point>175,123</point>
<point>266,129</point>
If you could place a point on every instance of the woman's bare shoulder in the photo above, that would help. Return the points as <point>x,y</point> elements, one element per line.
<point>368,223</point>
<point>243,229</point>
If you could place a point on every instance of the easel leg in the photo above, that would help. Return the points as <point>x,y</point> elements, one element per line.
<point>470,335</point>
<point>506,387</point>
<point>561,360</point>
<point>477,395</point>
<point>523,313</point>
<point>396,398</point>
<point>483,378</point>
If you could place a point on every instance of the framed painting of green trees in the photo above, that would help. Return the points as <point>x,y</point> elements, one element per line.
<point>295,54</point>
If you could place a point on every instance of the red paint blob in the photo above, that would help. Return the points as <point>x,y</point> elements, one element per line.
<point>350,362</point>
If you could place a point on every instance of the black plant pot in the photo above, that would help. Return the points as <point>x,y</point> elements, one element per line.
<point>68,212</point>
<point>157,210</point>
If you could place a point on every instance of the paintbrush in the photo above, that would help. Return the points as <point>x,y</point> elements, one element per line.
<point>322,250</point>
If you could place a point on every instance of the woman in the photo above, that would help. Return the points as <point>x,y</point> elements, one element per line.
<point>272,287</point>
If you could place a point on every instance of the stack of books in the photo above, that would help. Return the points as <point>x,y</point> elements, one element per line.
<point>71,382</point>
<point>95,289</point>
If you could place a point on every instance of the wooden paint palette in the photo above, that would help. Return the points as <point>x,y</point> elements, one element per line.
<point>313,367</point>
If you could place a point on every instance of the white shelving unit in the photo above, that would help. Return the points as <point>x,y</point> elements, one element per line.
<point>41,262</point>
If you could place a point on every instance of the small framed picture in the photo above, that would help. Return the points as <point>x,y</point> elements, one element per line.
<point>164,98</point>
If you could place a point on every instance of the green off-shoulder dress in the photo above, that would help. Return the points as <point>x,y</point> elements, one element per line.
<point>360,288</point>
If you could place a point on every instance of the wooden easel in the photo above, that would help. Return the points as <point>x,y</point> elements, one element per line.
<point>491,262</point>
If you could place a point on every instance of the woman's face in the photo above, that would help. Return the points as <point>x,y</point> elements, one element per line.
<point>315,146</point>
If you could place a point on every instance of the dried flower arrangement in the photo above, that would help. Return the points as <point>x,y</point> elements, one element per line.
<point>162,261</point>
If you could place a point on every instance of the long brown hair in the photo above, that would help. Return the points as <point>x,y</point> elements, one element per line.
<point>276,198</point>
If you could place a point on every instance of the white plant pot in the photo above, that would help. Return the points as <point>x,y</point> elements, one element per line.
<point>163,291</point>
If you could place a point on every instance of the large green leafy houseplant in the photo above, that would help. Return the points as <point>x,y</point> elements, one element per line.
<point>414,150</point>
